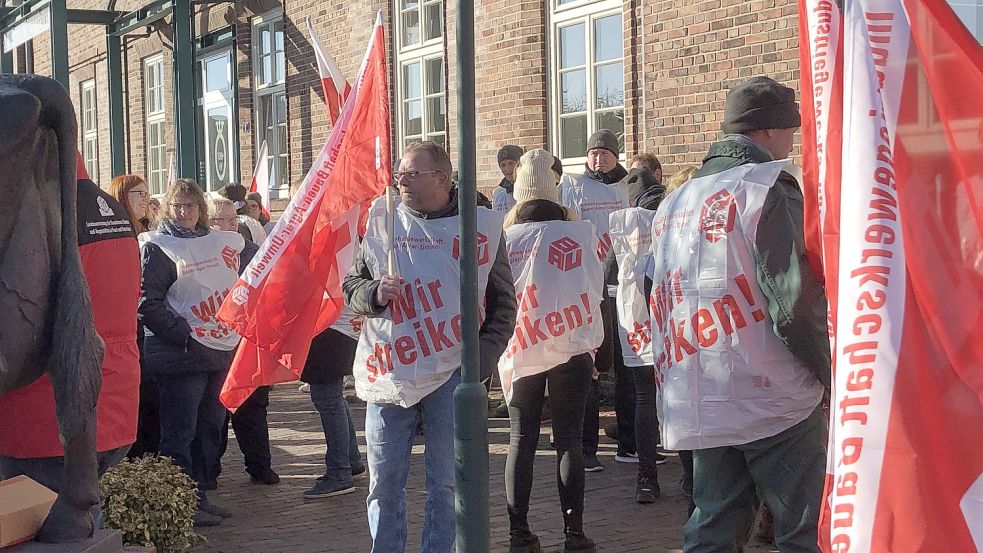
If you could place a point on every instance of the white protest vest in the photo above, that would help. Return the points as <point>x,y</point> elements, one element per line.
<point>558,280</point>
<point>206,268</point>
<point>255,229</point>
<point>349,323</point>
<point>415,345</point>
<point>631,239</point>
<point>593,201</point>
<point>502,200</point>
<point>724,377</point>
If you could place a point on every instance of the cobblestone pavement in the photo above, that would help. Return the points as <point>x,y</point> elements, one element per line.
<point>273,519</point>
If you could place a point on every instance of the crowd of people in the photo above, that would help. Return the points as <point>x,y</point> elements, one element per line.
<point>580,274</point>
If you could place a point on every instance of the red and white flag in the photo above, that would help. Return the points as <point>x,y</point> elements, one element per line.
<point>292,288</point>
<point>333,82</point>
<point>261,177</point>
<point>893,142</point>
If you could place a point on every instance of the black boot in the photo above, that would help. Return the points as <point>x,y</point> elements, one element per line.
<point>524,542</point>
<point>577,542</point>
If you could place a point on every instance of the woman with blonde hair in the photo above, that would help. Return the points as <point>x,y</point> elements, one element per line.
<point>187,270</point>
<point>679,178</point>
<point>132,191</point>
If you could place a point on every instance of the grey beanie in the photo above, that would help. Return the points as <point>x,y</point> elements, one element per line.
<point>510,151</point>
<point>760,103</point>
<point>604,139</point>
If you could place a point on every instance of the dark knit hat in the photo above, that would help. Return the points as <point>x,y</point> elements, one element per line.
<point>557,166</point>
<point>760,103</point>
<point>604,139</point>
<point>510,151</point>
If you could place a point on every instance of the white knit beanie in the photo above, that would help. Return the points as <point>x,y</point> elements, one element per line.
<point>534,179</point>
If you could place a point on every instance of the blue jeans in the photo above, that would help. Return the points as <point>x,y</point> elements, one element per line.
<point>342,455</point>
<point>191,422</point>
<point>389,432</point>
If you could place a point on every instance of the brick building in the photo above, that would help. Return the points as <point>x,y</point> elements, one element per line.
<point>548,73</point>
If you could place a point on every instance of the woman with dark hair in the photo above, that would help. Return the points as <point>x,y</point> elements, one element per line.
<point>187,269</point>
<point>132,191</point>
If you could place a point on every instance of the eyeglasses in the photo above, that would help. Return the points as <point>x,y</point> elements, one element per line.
<point>411,175</point>
<point>140,193</point>
<point>216,220</point>
<point>184,207</point>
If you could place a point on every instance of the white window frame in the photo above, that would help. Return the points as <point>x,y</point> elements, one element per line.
<point>419,53</point>
<point>279,184</point>
<point>585,12</point>
<point>90,127</point>
<point>155,124</point>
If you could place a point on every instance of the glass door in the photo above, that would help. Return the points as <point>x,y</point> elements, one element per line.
<point>218,121</point>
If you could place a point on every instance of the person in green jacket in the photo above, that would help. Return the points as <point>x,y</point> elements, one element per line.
<point>760,120</point>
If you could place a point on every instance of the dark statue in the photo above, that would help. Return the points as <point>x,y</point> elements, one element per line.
<point>47,324</point>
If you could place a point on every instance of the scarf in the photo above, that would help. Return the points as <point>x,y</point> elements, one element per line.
<point>611,177</point>
<point>508,186</point>
<point>170,228</point>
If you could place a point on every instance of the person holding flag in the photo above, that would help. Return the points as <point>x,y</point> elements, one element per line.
<point>742,351</point>
<point>407,364</point>
<point>558,284</point>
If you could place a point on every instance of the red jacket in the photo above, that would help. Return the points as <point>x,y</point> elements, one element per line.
<point>111,262</point>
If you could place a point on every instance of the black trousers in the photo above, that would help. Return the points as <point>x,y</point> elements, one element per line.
<point>568,384</point>
<point>252,432</point>
<point>148,419</point>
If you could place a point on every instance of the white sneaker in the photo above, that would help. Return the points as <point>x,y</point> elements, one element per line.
<point>627,458</point>
<point>305,387</point>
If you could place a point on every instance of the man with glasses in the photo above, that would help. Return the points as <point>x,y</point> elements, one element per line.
<point>408,359</point>
<point>249,421</point>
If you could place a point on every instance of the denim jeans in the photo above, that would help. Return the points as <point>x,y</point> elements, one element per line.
<point>191,422</point>
<point>342,454</point>
<point>389,434</point>
<point>50,471</point>
<point>787,471</point>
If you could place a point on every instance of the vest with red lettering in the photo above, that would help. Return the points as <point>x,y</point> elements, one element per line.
<point>724,377</point>
<point>593,201</point>
<point>558,280</point>
<point>631,239</point>
<point>206,269</point>
<point>415,345</point>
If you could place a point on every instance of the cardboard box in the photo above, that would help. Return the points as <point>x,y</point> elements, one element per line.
<point>24,504</point>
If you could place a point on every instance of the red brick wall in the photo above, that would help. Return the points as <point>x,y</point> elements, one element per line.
<point>694,53</point>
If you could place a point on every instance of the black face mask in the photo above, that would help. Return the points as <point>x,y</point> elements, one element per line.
<point>611,177</point>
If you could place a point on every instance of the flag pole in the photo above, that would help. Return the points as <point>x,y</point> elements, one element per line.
<point>470,397</point>
<point>390,214</point>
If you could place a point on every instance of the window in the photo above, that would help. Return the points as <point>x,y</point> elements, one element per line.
<point>422,106</point>
<point>90,129</point>
<point>971,14</point>
<point>217,128</point>
<point>588,76</point>
<point>271,99</point>
<point>153,78</point>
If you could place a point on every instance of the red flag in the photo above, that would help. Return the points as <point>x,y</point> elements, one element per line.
<point>901,225</point>
<point>333,83</point>
<point>261,177</point>
<point>292,288</point>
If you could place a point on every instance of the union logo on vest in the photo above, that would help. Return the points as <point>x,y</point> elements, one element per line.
<point>482,249</point>
<point>231,258</point>
<point>717,216</point>
<point>565,254</point>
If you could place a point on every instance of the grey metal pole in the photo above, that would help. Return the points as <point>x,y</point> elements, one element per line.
<point>59,42</point>
<point>470,397</point>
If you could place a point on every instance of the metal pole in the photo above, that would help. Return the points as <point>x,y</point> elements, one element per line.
<point>117,139</point>
<point>470,397</point>
<point>59,41</point>
<point>184,90</point>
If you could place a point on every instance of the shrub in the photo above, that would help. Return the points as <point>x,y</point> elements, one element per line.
<point>152,502</point>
